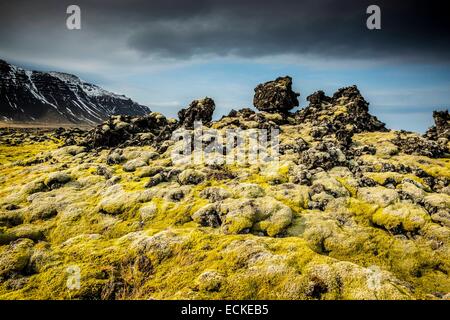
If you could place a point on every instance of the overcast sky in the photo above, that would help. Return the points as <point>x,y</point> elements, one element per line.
<point>166,53</point>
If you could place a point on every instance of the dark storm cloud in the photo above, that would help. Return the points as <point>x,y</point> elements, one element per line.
<point>412,30</point>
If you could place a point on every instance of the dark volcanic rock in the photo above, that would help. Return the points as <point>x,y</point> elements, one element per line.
<point>317,98</point>
<point>419,146</point>
<point>346,112</point>
<point>245,113</point>
<point>70,136</point>
<point>245,119</point>
<point>118,131</point>
<point>199,110</point>
<point>276,96</point>
<point>297,147</point>
<point>441,129</point>
<point>325,155</point>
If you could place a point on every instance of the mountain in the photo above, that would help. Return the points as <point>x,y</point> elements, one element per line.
<point>60,97</point>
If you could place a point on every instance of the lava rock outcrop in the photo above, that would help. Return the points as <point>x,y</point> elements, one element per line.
<point>346,110</point>
<point>419,146</point>
<point>120,131</point>
<point>276,96</point>
<point>441,129</point>
<point>199,110</point>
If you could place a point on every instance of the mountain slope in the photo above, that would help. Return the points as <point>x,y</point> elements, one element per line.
<point>54,96</point>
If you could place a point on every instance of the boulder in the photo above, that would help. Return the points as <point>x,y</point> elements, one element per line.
<point>56,179</point>
<point>215,194</point>
<point>116,201</point>
<point>248,190</point>
<point>16,257</point>
<point>24,231</point>
<point>158,247</point>
<point>190,176</point>
<point>34,186</point>
<point>317,98</point>
<point>436,201</point>
<point>325,155</point>
<point>263,216</point>
<point>441,129</point>
<point>209,280</point>
<point>401,217</point>
<point>276,96</point>
<point>330,185</point>
<point>378,195</point>
<point>199,110</point>
<point>132,165</point>
<point>42,209</point>
<point>147,212</point>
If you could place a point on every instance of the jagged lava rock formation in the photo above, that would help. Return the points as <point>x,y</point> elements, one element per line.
<point>121,130</point>
<point>57,97</point>
<point>441,129</point>
<point>346,110</point>
<point>348,212</point>
<point>276,96</point>
<point>199,110</point>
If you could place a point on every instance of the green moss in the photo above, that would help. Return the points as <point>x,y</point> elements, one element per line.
<point>404,216</point>
<point>433,167</point>
<point>382,177</point>
<point>289,252</point>
<point>351,188</point>
<point>361,208</point>
<point>10,154</point>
